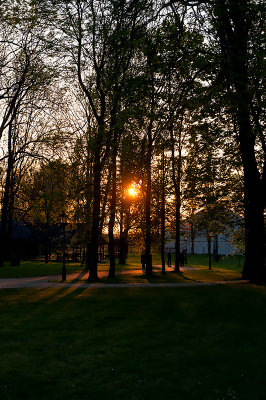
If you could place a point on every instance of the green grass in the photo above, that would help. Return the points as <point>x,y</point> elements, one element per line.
<point>35,268</point>
<point>233,262</point>
<point>135,344</point>
<point>226,269</point>
<point>202,274</point>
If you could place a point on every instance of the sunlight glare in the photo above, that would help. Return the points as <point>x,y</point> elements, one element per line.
<point>132,191</point>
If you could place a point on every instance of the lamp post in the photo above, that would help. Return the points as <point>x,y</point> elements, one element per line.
<point>63,218</point>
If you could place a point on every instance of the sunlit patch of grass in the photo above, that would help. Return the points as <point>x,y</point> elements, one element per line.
<point>224,269</point>
<point>215,274</point>
<point>201,274</point>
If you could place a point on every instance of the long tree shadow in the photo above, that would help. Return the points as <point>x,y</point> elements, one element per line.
<point>80,276</point>
<point>38,299</point>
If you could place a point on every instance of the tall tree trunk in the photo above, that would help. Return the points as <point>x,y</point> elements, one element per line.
<point>11,249</point>
<point>192,236</point>
<point>254,268</point>
<point>88,252</point>
<point>254,198</point>
<point>88,213</point>
<point>177,232</point>
<point>209,250</point>
<point>115,136</point>
<point>148,211</point>
<point>104,201</point>
<point>46,244</point>
<point>123,247</point>
<point>233,31</point>
<point>163,213</point>
<point>122,233</point>
<point>111,225</point>
<point>254,191</point>
<point>176,176</point>
<point>215,247</point>
<point>46,233</point>
<point>122,258</point>
<point>93,274</point>
<point>124,228</point>
<point>4,239</point>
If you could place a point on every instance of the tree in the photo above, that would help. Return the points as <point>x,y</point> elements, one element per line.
<point>184,69</point>
<point>237,25</point>
<point>24,76</point>
<point>46,197</point>
<point>210,188</point>
<point>234,30</point>
<point>99,38</point>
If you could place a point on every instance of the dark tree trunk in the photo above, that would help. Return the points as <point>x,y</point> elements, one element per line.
<point>115,139</point>
<point>87,253</point>
<point>148,257</point>
<point>215,248</point>
<point>233,33</point>
<point>192,235</point>
<point>124,228</point>
<point>176,176</point>
<point>124,222</point>
<point>111,274</point>
<point>104,201</point>
<point>46,247</point>
<point>254,268</point>
<point>254,196</point>
<point>123,247</point>
<point>209,250</point>
<point>254,191</point>
<point>47,241</point>
<point>163,213</point>
<point>93,273</point>
<point>5,211</point>
<point>3,232</point>
<point>177,236</point>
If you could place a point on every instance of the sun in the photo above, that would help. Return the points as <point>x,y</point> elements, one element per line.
<point>132,192</point>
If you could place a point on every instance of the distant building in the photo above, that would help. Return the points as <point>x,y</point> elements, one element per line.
<point>201,245</point>
<point>227,242</point>
<point>220,243</point>
<point>24,241</point>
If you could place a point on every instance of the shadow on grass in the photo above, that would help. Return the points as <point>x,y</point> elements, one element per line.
<point>137,276</point>
<point>80,277</point>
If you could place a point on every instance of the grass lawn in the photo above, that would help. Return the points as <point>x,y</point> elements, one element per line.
<point>225,261</point>
<point>35,268</point>
<point>226,269</point>
<point>139,343</point>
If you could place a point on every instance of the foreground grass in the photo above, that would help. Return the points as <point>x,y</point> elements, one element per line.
<point>155,343</point>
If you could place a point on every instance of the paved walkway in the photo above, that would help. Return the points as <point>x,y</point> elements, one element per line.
<point>54,281</point>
